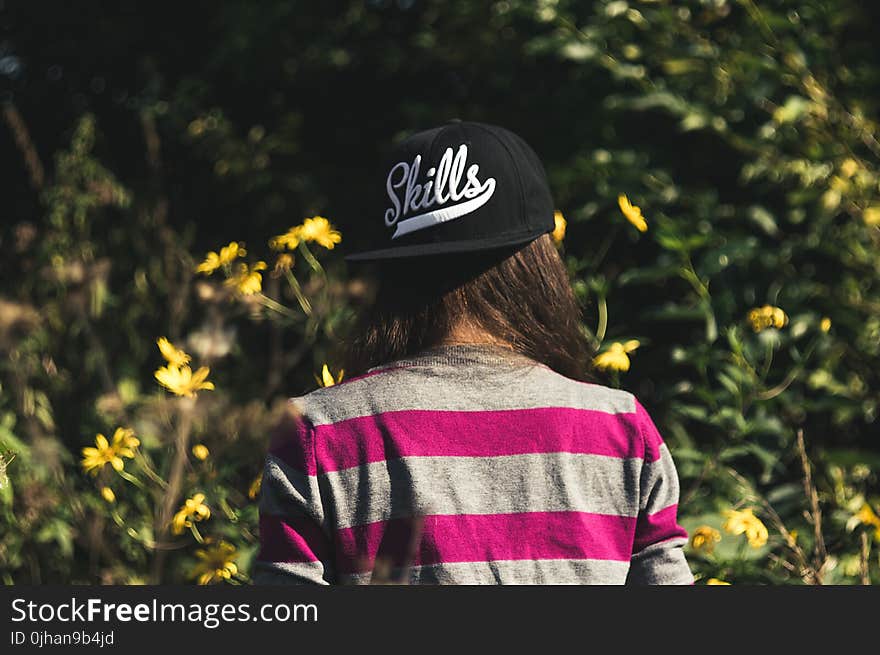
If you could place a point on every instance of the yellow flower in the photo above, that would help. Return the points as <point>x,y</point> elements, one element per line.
<point>558,233</point>
<point>289,239</point>
<point>200,452</point>
<point>825,325</point>
<point>283,263</point>
<point>327,377</point>
<point>95,458</point>
<point>171,354</point>
<point>227,255</point>
<point>316,228</point>
<point>745,522</point>
<point>759,319</point>
<point>215,563</point>
<point>704,538</point>
<point>247,281</point>
<point>192,510</point>
<point>233,251</point>
<point>616,358</point>
<point>108,495</point>
<point>210,264</point>
<point>866,516</point>
<point>849,167</point>
<point>182,381</point>
<point>767,316</point>
<point>319,230</point>
<point>125,442</point>
<point>780,318</point>
<point>632,213</point>
<point>871,216</point>
<point>716,581</point>
<point>256,485</point>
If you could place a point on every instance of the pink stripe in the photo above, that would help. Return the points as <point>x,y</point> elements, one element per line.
<point>488,537</point>
<point>650,433</point>
<point>297,539</point>
<point>414,433</point>
<point>657,527</point>
<point>291,442</point>
<point>292,439</point>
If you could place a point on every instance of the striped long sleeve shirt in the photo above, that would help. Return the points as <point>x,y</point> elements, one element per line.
<point>462,465</point>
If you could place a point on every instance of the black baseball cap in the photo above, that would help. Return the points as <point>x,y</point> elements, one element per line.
<point>460,187</point>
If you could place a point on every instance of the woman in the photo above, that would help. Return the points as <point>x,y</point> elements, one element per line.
<point>471,446</point>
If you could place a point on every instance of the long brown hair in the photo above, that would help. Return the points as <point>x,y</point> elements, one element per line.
<point>521,297</point>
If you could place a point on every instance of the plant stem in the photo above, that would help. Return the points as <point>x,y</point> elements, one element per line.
<point>228,511</point>
<point>689,273</point>
<point>128,476</point>
<point>131,532</point>
<point>603,249</point>
<point>297,291</point>
<point>310,258</point>
<point>791,377</point>
<point>820,555</point>
<point>768,359</point>
<point>196,533</point>
<point>864,553</point>
<point>25,144</point>
<point>149,470</point>
<point>603,320</point>
<point>175,481</point>
<point>276,306</point>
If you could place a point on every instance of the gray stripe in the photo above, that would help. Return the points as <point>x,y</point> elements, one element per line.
<point>534,482</point>
<point>278,573</point>
<point>661,563</point>
<point>286,491</point>
<point>545,482</point>
<point>667,544</point>
<point>660,487</point>
<point>465,389</point>
<point>547,571</point>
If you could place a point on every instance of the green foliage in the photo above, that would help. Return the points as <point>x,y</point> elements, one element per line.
<point>744,131</point>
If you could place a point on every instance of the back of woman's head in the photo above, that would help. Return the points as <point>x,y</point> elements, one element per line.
<point>521,299</point>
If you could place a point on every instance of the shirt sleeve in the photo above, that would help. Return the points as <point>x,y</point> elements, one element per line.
<point>294,544</point>
<point>658,547</point>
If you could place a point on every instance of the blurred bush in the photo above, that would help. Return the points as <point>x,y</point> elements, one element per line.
<point>715,162</point>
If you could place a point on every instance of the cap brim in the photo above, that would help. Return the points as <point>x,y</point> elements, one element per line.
<point>449,247</point>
